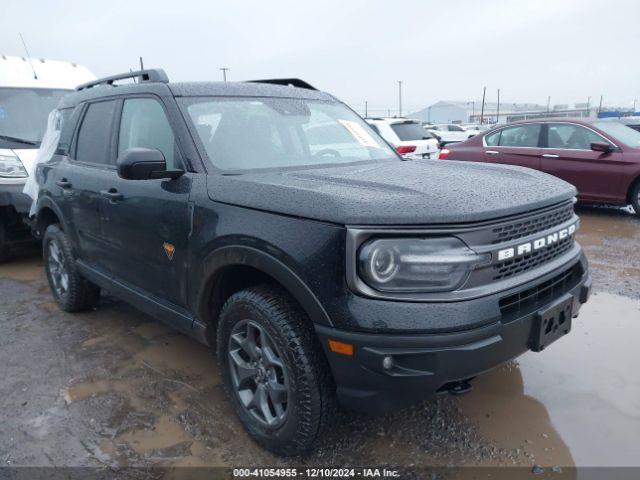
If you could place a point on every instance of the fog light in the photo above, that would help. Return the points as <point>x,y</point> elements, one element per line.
<point>387,362</point>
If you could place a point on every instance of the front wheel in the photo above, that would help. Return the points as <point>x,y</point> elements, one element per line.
<point>635,198</point>
<point>71,290</point>
<point>273,369</point>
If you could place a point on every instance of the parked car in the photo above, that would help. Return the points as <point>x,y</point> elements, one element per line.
<point>314,274</point>
<point>600,158</point>
<point>475,127</point>
<point>447,133</point>
<point>407,136</point>
<point>25,102</point>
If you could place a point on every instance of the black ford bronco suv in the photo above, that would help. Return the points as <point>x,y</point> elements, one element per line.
<point>268,220</point>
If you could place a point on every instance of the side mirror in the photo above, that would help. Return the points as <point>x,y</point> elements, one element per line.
<point>601,147</point>
<point>144,164</point>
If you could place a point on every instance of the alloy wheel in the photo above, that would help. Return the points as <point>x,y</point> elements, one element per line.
<point>57,269</point>
<point>258,373</point>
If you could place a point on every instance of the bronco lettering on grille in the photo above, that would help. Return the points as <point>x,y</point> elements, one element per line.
<point>537,244</point>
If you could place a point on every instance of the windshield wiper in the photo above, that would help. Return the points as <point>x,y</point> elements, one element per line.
<point>18,140</point>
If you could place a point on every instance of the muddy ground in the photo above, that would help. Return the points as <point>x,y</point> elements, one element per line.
<point>113,387</point>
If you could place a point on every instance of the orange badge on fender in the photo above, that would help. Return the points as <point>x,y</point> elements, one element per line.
<point>169,249</point>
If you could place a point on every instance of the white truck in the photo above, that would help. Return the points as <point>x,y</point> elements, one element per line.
<point>29,89</point>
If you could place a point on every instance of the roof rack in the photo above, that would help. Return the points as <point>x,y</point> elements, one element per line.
<point>152,75</point>
<point>293,82</point>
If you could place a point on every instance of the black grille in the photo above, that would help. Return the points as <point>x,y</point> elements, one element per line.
<point>518,265</point>
<point>529,226</point>
<point>532,298</point>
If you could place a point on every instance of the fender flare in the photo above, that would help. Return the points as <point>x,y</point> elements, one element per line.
<point>252,257</point>
<point>46,202</point>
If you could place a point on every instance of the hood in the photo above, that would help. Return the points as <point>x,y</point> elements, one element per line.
<point>395,192</point>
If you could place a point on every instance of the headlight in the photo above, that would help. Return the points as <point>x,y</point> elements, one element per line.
<point>417,264</point>
<point>11,167</point>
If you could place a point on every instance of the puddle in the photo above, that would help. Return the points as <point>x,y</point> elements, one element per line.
<point>579,400</point>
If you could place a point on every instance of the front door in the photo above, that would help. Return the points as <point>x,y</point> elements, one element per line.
<point>146,223</point>
<point>515,145</point>
<point>568,155</point>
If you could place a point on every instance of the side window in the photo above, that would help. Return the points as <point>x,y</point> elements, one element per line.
<point>144,124</point>
<point>493,139</point>
<point>94,137</point>
<point>567,136</point>
<point>520,136</point>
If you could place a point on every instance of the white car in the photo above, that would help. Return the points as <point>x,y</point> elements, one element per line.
<point>449,132</point>
<point>29,89</point>
<point>407,136</point>
<point>475,128</point>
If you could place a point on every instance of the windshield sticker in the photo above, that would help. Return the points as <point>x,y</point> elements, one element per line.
<point>359,133</point>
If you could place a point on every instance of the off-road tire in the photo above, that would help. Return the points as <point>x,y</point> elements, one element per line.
<point>4,245</point>
<point>311,397</point>
<point>635,198</point>
<point>80,294</point>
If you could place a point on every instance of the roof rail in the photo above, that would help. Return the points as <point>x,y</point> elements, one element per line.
<point>293,82</point>
<point>152,75</point>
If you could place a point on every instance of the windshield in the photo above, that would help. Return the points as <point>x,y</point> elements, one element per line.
<point>621,132</point>
<point>410,131</point>
<point>249,133</point>
<point>24,112</point>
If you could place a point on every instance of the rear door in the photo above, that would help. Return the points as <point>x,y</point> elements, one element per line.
<point>514,145</point>
<point>567,154</point>
<point>89,157</point>
<point>146,223</point>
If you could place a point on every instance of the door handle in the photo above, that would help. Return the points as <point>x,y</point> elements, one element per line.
<point>64,183</point>
<point>491,152</point>
<point>112,194</point>
<point>551,155</point>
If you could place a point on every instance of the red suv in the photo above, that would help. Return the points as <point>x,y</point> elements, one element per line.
<point>601,158</point>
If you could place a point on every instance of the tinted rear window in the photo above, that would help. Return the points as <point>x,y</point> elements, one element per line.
<point>94,137</point>
<point>410,131</point>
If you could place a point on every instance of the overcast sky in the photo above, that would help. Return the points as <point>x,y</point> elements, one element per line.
<point>355,49</point>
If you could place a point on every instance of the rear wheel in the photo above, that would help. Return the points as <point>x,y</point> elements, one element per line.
<point>635,198</point>
<point>273,369</point>
<point>71,290</point>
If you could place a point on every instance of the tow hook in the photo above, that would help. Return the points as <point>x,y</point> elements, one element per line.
<point>461,387</point>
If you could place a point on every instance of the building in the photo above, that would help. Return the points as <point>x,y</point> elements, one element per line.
<point>472,112</point>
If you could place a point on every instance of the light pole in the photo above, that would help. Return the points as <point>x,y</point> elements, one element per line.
<point>399,98</point>
<point>484,91</point>
<point>366,109</point>
<point>498,109</point>
<point>600,106</point>
<point>224,73</point>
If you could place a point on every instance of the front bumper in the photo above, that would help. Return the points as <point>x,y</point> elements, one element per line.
<point>423,364</point>
<point>11,195</point>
